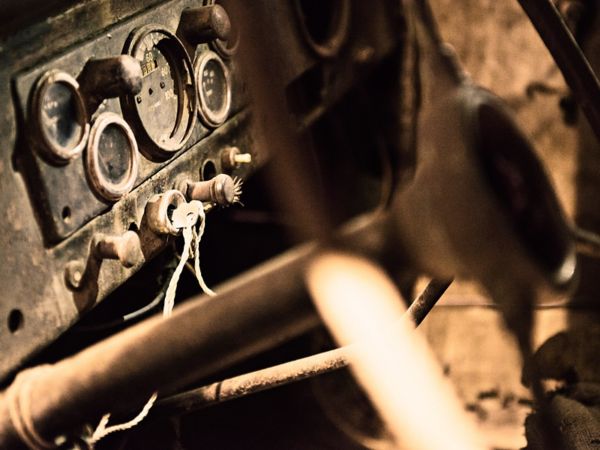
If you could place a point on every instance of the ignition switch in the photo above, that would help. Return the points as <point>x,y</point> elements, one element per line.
<point>159,212</point>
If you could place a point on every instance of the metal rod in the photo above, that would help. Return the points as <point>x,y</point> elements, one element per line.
<point>588,242</point>
<point>361,306</point>
<point>418,309</point>
<point>289,372</point>
<point>252,313</point>
<point>568,56</point>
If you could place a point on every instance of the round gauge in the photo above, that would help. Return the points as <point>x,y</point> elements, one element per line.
<point>164,110</point>
<point>112,157</point>
<point>59,117</point>
<point>325,24</point>
<point>214,88</point>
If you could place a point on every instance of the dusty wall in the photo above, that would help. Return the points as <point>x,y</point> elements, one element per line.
<point>500,49</point>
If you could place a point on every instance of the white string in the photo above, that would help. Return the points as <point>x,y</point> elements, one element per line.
<point>198,237</point>
<point>172,288</point>
<point>102,430</point>
<point>191,241</point>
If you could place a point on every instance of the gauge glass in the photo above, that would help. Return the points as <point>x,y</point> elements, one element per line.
<point>114,162</point>
<point>214,88</point>
<point>112,157</point>
<point>60,118</point>
<point>164,110</point>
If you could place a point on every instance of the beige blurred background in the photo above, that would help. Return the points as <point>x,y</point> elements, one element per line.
<point>500,49</point>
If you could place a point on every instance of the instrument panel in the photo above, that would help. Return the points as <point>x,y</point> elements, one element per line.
<point>116,106</point>
<point>159,102</point>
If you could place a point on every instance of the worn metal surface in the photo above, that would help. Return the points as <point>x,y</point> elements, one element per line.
<point>205,23</point>
<point>288,372</point>
<point>55,294</point>
<point>253,312</point>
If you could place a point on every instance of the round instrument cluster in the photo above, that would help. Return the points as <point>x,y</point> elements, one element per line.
<point>164,113</point>
<point>112,157</point>
<point>158,119</point>
<point>59,117</point>
<point>214,88</point>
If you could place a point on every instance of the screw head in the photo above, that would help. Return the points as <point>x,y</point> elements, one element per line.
<point>74,272</point>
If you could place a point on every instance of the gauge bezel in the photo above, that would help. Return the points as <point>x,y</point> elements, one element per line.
<point>150,147</point>
<point>211,118</point>
<point>102,185</point>
<point>337,33</point>
<point>50,149</point>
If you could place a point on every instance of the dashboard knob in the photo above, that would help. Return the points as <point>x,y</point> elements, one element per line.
<point>232,158</point>
<point>222,190</point>
<point>125,248</point>
<point>109,78</point>
<point>205,23</point>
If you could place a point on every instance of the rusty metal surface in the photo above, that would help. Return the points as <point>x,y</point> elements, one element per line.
<point>253,312</point>
<point>56,292</point>
<point>288,372</point>
<point>46,315</point>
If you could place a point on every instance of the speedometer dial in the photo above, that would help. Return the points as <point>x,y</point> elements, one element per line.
<point>163,113</point>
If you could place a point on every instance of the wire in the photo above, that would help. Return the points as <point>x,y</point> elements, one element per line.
<point>137,314</point>
<point>588,242</point>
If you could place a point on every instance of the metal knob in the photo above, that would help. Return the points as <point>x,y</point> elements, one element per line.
<point>205,23</point>
<point>125,248</point>
<point>232,158</point>
<point>222,190</point>
<point>109,78</point>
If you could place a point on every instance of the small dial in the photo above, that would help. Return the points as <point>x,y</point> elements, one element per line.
<point>214,88</point>
<point>112,157</point>
<point>164,111</point>
<point>59,117</point>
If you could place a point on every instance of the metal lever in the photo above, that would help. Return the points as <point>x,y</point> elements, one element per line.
<point>125,248</point>
<point>205,23</point>
<point>109,78</point>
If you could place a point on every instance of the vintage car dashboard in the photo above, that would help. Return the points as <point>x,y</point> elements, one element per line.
<point>115,113</point>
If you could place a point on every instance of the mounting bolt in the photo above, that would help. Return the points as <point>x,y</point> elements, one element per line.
<point>74,273</point>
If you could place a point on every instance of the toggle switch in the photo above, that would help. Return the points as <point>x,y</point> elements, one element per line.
<point>109,78</point>
<point>221,190</point>
<point>125,248</point>
<point>232,158</point>
<point>205,23</point>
